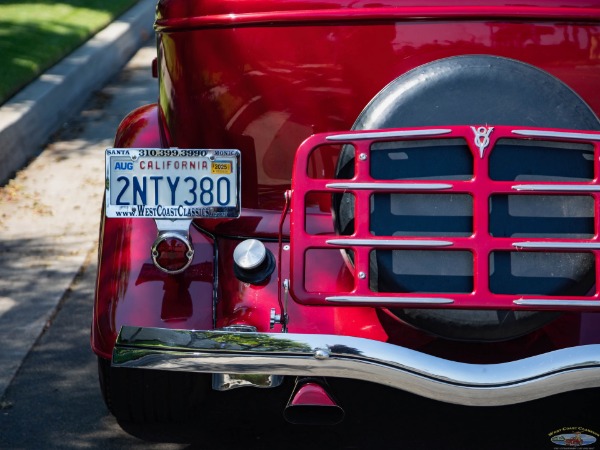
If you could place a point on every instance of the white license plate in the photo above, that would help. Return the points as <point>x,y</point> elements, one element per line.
<point>166,183</point>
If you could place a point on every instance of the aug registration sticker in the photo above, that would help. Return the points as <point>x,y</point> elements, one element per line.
<point>165,183</point>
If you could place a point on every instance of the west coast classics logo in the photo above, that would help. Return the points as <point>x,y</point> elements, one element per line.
<point>578,437</point>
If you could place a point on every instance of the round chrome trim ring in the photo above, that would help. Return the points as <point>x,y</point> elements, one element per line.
<point>163,236</point>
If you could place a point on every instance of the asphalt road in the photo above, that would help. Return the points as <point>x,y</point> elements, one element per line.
<point>55,403</point>
<point>48,237</point>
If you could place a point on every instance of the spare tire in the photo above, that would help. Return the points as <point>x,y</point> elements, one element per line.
<point>470,90</point>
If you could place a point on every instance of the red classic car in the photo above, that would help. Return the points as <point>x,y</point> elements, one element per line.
<point>401,192</point>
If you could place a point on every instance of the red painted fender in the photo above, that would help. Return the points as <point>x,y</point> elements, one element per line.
<point>130,289</point>
<point>141,128</point>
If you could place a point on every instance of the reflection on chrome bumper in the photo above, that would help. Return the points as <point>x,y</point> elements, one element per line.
<point>360,359</point>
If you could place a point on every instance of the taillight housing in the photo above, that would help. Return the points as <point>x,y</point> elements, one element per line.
<point>172,252</point>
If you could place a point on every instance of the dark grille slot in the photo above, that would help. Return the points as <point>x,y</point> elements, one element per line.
<point>421,215</point>
<point>424,271</point>
<point>514,159</point>
<point>542,216</point>
<point>421,160</point>
<point>542,273</point>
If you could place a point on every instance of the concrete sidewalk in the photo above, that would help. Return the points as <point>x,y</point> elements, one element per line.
<point>49,213</point>
<point>30,117</point>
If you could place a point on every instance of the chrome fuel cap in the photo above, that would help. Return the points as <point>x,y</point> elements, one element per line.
<point>253,262</point>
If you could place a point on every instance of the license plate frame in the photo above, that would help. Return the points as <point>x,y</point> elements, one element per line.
<point>173,183</point>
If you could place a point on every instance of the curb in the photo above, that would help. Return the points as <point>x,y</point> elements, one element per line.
<point>36,112</point>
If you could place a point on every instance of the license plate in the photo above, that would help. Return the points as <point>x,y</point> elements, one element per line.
<point>164,183</point>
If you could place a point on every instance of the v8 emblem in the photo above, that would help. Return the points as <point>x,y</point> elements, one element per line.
<point>482,138</point>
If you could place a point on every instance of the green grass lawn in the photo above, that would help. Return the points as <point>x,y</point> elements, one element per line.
<point>35,34</point>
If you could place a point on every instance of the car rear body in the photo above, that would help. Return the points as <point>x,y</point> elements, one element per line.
<point>284,83</point>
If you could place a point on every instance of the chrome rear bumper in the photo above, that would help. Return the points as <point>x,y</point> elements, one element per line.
<point>361,359</point>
